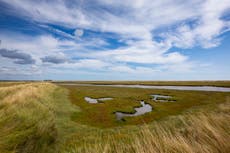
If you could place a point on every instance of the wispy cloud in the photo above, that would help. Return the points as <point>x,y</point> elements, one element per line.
<point>144,36</point>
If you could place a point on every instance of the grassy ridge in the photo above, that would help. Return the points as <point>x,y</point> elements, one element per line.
<point>155,83</point>
<point>6,84</point>
<point>31,119</point>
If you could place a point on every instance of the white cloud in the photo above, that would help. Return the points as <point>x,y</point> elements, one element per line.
<point>30,71</point>
<point>92,64</point>
<point>205,31</point>
<point>78,32</point>
<point>132,19</point>
<point>137,70</point>
<point>139,16</point>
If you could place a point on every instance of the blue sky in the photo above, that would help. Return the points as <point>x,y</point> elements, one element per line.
<point>115,40</point>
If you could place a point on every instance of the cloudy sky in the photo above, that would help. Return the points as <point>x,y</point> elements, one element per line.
<point>115,39</point>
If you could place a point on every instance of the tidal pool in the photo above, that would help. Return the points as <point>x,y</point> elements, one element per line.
<point>145,108</point>
<point>162,98</point>
<point>94,101</point>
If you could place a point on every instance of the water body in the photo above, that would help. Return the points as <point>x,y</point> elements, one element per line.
<point>155,97</point>
<point>145,108</point>
<point>94,101</point>
<point>163,98</point>
<point>194,88</point>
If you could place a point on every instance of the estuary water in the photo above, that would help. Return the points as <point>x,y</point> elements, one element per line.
<point>145,108</point>
<point>194,88</point>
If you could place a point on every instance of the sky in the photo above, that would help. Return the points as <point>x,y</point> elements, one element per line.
<point>115,39</point>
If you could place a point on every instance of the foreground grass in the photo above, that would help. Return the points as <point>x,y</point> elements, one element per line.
<point>39,118</point>
<point>34,118</point>
<point>201,131</point>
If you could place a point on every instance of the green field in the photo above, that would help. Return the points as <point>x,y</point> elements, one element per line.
<point>43,117</point>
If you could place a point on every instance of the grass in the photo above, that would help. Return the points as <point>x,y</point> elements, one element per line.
<point>193,132</point>
<point>6,84</point>
<point>155,83</point>
<point>45,118</point>
<point>31,119</point>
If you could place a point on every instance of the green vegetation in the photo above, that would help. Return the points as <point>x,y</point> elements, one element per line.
<point>46,118</point>
<point>155,83</point>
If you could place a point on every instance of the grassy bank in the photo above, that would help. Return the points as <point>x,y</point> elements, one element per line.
<point>155,83</point>
<point>6,84</point>
<point>31,120</point>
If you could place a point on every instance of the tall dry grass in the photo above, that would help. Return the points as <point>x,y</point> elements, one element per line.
<point>32,119</point>
<point>195,132</point>
<point>26,124</point>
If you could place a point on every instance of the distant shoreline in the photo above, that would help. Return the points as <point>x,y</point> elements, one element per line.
<point>215,83</point>
<point>225,83</point>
